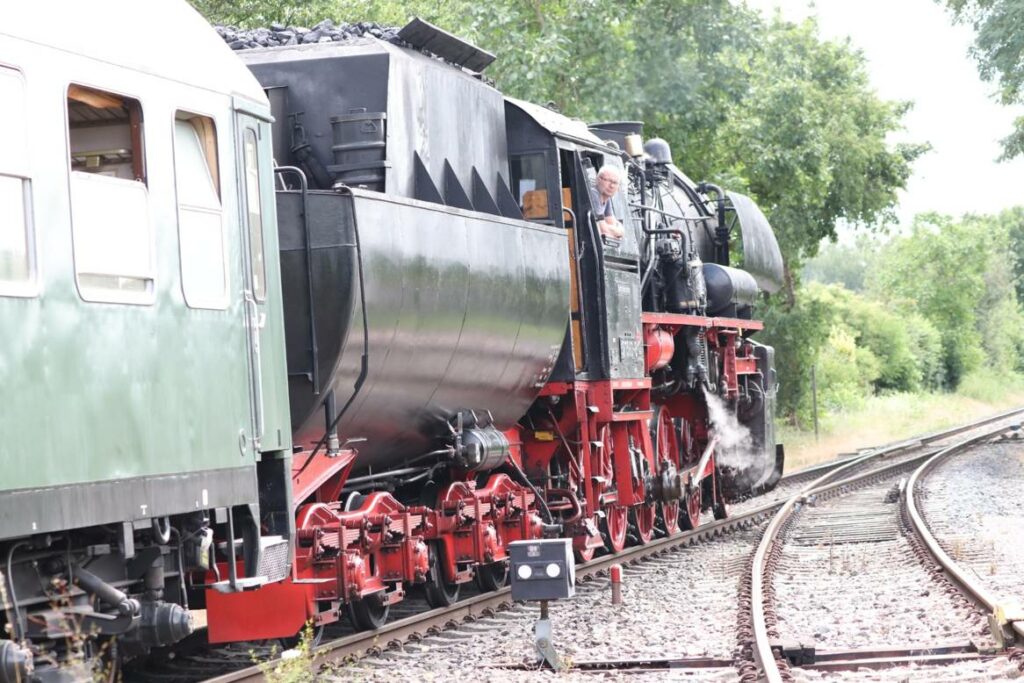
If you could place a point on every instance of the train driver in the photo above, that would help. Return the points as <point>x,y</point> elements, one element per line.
<point>608,180</point>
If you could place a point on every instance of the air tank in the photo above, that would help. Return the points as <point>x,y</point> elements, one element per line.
<point>731,292</point>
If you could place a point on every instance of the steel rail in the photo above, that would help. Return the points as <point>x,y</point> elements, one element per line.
<point>970,585</point>
<point>824,660</point>
<point>763,652</point>
<point>359,644</point>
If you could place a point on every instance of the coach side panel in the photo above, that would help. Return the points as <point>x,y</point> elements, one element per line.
<point>123,363</point>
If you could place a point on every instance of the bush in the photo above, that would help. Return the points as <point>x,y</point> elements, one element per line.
<point>926,341</point>
<point>797,334</point>
<point>886,336</point>
<point>845,372</point>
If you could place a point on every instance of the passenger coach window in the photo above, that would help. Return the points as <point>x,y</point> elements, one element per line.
<point>529,185</point>
<point>200,222</point>
<point>17,262</point>
<point>255,210</point>
<point>113,240</point>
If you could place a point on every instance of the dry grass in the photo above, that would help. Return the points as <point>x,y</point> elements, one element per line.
<point>885,419</point>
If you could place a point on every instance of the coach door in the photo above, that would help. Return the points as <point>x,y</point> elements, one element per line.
<point>261,288</point>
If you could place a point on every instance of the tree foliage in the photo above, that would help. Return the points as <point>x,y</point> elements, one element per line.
<point>843,263</point>
<point>960,276</point>
<point>759,105</point>
<point>999,49</point>
<point>765,106</point>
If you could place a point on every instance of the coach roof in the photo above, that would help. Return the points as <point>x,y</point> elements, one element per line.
<point>163,38</point>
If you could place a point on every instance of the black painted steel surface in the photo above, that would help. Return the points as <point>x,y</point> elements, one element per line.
<point>762,257</point>
<point>465,311</point>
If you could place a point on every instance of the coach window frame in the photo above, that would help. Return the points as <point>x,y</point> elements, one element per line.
<point>28,285</point>
<point>257,252</point>
<point>208,147</point>
<point>97,292</point>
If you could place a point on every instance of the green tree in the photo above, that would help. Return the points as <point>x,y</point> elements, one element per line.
<point>939,271</point>
<point>844,264</point>
<point>999,49</point>
<point>254,13</point>
<point>1011,222</point>
<point>810,140</point>
<point>762,106</point>
<point>798,333</point>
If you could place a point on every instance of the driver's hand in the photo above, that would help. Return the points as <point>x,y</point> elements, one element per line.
<point>610,227</point>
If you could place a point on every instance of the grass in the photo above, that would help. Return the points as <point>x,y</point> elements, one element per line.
<point>884,419</point>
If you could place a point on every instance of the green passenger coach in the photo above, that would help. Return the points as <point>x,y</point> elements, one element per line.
<point>142,365</point>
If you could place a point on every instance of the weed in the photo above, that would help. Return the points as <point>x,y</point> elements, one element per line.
<point>291,666</point>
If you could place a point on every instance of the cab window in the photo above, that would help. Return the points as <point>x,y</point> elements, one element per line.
<point>17,258</point>
<point>200,217</point>
<point>592,164</point>
<point>529,185</point>
<point>111,227</point>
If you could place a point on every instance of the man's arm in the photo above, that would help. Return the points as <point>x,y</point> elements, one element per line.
<point>609,226</point>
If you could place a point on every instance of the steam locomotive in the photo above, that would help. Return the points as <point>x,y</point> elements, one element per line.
<point>291,341</point>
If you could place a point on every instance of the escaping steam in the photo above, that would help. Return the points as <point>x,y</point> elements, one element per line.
<point>735,443</point>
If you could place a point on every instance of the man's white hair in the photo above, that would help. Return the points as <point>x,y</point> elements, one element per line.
<point>609,168</point>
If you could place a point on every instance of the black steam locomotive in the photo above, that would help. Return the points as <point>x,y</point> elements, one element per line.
<point>469,357</point>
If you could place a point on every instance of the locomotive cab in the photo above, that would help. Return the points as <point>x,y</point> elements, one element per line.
<point>554,167</point>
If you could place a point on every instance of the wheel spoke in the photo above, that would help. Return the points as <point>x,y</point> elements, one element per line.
<point>668,514</point>
<point>614,527</point>
<point>642,518</point>
<point>689,516</point>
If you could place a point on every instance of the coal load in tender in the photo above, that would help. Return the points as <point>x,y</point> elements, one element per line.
<point>279,35</point>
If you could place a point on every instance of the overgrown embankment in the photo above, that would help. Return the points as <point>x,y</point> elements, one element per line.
<point>904,335</point>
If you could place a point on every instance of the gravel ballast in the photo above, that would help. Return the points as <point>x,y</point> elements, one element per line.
<point>974,507</point>
<point>679,605</point>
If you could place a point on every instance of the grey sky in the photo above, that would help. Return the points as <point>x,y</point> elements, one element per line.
<point>915,53</point>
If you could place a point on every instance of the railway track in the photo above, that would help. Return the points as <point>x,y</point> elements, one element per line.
<point>229,665</point>
<point>999,605</point>
<point>848,517</point>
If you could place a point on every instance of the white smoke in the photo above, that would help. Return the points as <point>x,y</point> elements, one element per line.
<point>735,443</point>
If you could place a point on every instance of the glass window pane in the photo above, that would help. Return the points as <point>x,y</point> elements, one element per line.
<point>194,182</point>
<point>16,258</point>
<point>255,211</point>
<point>202,264</point>
<point>110,225</point>
<point>13,124</point>
<point>112,235</point>
<point>14,253</point>
<point>529,185</point>
<point>200,223</point>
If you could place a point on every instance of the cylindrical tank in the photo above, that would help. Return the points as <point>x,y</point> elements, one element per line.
<point>465,311</point>
<point>730,291</point>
